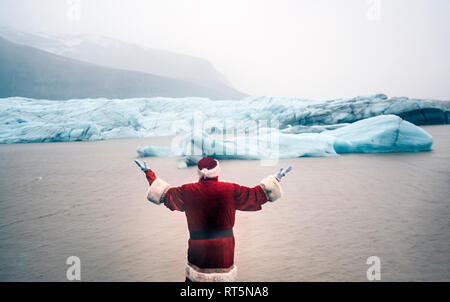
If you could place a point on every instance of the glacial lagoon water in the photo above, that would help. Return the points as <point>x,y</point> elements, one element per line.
<point>87,199</point>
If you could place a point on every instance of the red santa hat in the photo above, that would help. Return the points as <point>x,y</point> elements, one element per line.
<point>208,168</point>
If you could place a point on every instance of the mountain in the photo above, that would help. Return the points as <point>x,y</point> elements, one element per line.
<point>30,72</point>
<point>116,54</point>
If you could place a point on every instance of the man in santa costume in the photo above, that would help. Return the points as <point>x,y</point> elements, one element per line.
<point>210,207</point>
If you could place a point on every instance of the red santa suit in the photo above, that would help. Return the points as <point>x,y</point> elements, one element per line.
<point>210,206</point>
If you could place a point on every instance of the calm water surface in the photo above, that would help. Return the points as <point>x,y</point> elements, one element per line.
<point>88,199</point>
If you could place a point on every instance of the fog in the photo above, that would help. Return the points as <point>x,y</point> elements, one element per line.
<point>309,49</point>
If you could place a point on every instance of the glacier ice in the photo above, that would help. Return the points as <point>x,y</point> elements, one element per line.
<point>384,133</point>
<point>25,120</point>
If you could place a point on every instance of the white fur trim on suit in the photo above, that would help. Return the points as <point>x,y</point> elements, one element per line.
<point>157,191</point>
<point>205,173</point>
<point>272,187</point>
<point>196,276</point>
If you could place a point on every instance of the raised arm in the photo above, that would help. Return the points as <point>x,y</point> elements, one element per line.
<point>161,192</point>
<point>269,189</point>
<point>251,199</point>
<point>248,199</point>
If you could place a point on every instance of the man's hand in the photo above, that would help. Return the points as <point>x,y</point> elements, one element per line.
<point>149,174</point>
<point>142,167</point>
<point>282,173</point>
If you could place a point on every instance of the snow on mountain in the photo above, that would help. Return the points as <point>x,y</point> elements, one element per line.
<point>30,72</point>
<point>112,53</point>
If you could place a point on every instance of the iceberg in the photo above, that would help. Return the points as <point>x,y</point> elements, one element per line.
<point>384,133</point>
<point>24,120</point>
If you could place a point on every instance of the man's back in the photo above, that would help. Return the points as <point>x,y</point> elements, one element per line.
<point>210,206</point>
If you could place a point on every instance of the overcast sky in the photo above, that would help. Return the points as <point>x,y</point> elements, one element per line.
<point>308,49</point>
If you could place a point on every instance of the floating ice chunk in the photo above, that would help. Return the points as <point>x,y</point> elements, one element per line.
<point>386,133</point>
<point>154,151</point>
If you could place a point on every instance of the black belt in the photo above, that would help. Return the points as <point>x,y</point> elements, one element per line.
<point>211,234</point>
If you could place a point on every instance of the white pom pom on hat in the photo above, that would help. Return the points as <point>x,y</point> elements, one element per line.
<point>208,168</point>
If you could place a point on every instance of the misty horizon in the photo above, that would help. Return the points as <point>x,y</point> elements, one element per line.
<point>313,50</point>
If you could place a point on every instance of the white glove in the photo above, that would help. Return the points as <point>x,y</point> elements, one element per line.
<point>143,167</point>
<point>282,173</point>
